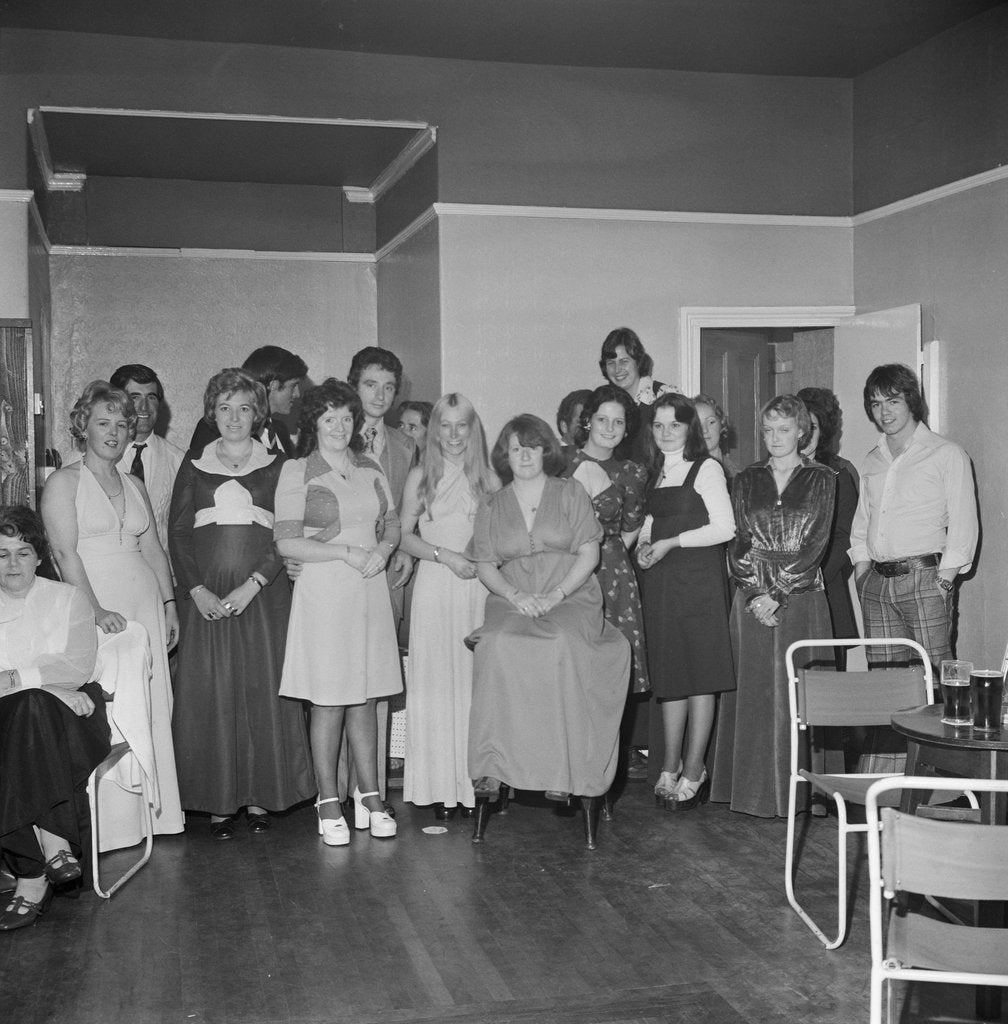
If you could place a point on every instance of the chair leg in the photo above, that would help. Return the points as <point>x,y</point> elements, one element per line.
<point>92,791</point>
<point>590,814</point>
<point>482,815</point>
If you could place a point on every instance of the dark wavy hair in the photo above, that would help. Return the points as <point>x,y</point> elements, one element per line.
<point>100,392</point>
<point>374,356</point>
<point>532,432</point>
<point>424,409</point>
<point>891,380</point>
<point>598,398</point>
<point>139,374</point>
<point>790,407</point>
<point>330,394</point>
<point>272,363</point>
<point>685,412</point>
<point>824,405</point>
<point>23,523</point>
<point>567,406</point>
<point>229,382</point>
<point>634,349</point>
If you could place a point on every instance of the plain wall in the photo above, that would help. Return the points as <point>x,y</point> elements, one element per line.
<point>154,213</point>
<point>950,256</point>
<point>13,259</point>
<point>188,318</point>
<point>409,312</point>
<point>507,133</point>
<point>527,301</point>
<point>933,115</point>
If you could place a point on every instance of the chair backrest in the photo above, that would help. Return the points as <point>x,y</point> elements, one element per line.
<point>830,698</point>
<point>858,698</point>
<point>947,860</point>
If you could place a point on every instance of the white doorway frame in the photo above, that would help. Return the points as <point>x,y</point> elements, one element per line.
<point>693,319</point>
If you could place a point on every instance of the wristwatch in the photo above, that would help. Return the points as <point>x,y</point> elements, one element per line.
<point>947,585</point>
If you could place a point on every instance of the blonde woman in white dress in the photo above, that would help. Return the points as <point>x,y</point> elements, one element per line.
<point>441,497</point>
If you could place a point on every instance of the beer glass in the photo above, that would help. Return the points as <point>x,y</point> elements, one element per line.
<point>986,690</point>
<point>955,686</point>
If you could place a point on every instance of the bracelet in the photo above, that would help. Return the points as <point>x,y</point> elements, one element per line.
<point>192,593</point>
<point>171,600</point>
<point>437,554</point>
<point>256,580</point>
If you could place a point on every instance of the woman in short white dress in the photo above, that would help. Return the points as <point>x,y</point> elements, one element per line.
<point>335,514</point>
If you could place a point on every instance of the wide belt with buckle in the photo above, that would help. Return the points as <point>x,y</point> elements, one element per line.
<point>902,566</point>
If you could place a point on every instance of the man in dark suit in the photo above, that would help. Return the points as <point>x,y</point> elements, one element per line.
<point>280,372</point>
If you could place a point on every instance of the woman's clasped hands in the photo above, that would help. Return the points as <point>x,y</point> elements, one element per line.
<point>764,610</point>
<point>368,561</point>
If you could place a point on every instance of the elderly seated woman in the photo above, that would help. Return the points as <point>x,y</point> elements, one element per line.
<point>53,730</point>
<point>550,674</point>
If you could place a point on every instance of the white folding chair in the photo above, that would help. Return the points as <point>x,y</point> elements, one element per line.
<point>128,651</point>
<point>943,860</point>
<point>830,699</point>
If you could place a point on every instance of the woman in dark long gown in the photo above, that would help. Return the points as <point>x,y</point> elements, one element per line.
<point>238,743</point>
<point>685,582</point>
<point>783,513</point>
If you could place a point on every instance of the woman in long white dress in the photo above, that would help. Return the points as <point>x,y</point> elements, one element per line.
<point>101,529</point>
<point>442,495</point>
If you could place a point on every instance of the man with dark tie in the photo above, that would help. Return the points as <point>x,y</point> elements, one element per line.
<point>149,456</point>
<point>280,372</point>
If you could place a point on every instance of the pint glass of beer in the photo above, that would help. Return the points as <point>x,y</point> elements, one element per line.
<point>986,691</point>
<point>955,686</point>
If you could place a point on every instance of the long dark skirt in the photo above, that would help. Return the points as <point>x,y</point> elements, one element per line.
<point>753,746</point>
<point>46,755</point>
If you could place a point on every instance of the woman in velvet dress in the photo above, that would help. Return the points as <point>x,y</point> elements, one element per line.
<point>53,730</point>
<point>681,552</point>
<point>783,514</point>
<point>239,744</point>
<point>550,674</point>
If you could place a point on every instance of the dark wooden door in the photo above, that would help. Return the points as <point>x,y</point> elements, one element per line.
<point>736,368</point>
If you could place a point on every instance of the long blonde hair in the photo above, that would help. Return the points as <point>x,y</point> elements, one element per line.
<point>482,479</point>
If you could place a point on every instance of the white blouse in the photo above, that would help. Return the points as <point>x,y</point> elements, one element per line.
<point>48,636</point>
<point>710,485</point>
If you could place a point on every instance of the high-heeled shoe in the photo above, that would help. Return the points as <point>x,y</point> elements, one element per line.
<point>442,813</point>
<point>62,868</point>
<point>334,831</point>
<point>21,913</point>
<point>689,793</point>
<point>666,785</point>
<point>590,814</point>
<point>380,823</point>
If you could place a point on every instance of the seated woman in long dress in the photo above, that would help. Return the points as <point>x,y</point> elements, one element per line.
<point>53,730</point>
<point>550,673</point>
<point>783,513</point>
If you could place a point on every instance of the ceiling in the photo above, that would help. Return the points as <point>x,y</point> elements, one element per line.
<point>833,38</point>
<point>823,38</point>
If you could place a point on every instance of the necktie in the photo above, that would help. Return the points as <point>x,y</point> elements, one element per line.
<point>370,433</point>
<point>137,468</point>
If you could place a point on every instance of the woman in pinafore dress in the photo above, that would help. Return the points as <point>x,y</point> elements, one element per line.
<point>681,552</point>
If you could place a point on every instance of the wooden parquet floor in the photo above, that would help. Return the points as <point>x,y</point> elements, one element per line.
<point>674,919</point>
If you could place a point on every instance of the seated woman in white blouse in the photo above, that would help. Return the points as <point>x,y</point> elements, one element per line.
<point>53,730</point>
<point>681,549</point>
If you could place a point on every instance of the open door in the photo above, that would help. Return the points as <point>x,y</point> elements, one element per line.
<point>860,343</point>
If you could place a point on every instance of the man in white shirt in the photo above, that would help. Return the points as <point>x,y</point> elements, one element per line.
<point>915,530</point>
<point>148,456</point>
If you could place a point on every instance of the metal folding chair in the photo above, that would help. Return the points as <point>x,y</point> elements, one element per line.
<point>938,859</point>
<point>827,699</point>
